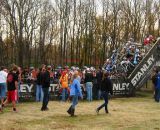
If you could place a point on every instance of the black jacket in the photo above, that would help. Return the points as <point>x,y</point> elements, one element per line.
<point>99,76</point>
<point>154,79</point>
<point>45,79</point>
<point>39,78</point>
<point>107,85</point>
<point>88,77</point>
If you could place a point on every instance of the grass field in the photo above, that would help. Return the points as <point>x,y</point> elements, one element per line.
<point>137,113</point>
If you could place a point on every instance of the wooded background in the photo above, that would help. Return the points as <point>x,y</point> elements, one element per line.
<point>72,32</point>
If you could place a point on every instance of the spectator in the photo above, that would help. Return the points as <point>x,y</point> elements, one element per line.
<point>94,89</point>
<point>88,82</point>
<point>75,92</point>
<point>33,74</point>
<point>64,83</point>
<point>50,73</point>
<point>130,53</point>
<point>3,85</point>
<point>78,76</point>
<point>99,76</point>
<point>157,92</point>
<point>106,88</point>
<point>136,57</point>
<point>12,86</point>
<point>39,92</point>
<point>108,66</point>
<point>114,57</point>
<point>147,42</point>
<point>45,88</point>
<point>154,82</point>
<point>19,73</point>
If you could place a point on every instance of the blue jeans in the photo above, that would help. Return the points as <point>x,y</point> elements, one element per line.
<point>3,90</point>
<point>157,94</point>
<point>98,94</point>
<point>74,101</point>
<point>89,86</point>
<point>39,93</point>
<point>45,97</point>
<point>105,97</point>
<point>64,94</point>
<point>18,91</point>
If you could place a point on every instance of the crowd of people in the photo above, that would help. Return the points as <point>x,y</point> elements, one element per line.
<point>125,59</point>
<point>68,80</point>
<point>89,76</point>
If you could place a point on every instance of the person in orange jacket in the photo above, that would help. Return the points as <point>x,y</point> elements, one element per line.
<point>64,84</point>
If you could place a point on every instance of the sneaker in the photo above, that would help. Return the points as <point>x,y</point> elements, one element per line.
<point>97,111</point>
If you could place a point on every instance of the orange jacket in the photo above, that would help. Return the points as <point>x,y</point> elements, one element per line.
<point>64,81</point>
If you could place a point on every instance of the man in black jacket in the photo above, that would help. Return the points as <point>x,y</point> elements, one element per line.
<point>45,88</point>
<point>39,91</point>
<point>106,88</point>
<point>154,81</point>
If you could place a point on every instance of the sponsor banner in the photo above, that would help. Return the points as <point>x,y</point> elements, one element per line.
<point>143,68</point>
<point>27,91</point>
<point>30,88</point>
<point>120,86</point>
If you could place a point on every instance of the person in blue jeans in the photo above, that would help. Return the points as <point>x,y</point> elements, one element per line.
<point>39,92</point>
<point>99,77</point>
<point>106,88</point>
<point>45,88</point>
<point>3,85</point>
<point>3,90</point>
<point>89,85</point>
<point>64,85</point>
<point>154,82</point>
<point>75,92</point>
<point>157,88</point>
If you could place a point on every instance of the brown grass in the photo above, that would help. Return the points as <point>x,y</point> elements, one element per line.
<point>140,113</point>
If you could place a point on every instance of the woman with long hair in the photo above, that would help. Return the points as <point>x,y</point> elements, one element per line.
<point>75,92</point>
<point>106,88</point>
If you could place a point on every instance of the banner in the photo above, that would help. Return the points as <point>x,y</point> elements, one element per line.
<point>27,91</point>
